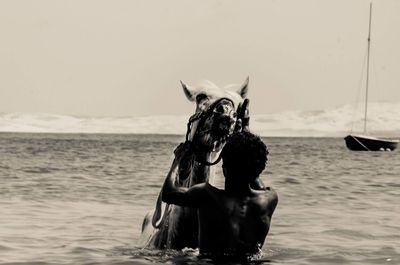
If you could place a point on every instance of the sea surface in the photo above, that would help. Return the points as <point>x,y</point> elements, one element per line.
<point>81,199</point>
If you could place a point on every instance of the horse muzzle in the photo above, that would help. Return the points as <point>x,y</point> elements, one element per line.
<point>224,125</point>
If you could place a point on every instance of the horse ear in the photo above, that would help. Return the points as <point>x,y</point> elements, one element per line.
<point>188,91</point>
<point>244,88</point>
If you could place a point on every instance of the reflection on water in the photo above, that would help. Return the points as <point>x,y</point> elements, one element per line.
<point>81,199</point>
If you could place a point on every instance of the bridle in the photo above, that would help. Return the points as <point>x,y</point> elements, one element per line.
<point>201,117</point>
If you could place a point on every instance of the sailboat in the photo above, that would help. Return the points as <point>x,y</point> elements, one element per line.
<point>362,142</point>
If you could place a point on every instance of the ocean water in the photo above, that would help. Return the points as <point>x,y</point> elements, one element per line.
<point>81,199</point>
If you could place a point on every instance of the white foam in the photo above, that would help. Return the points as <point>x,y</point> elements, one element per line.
<point>50,123</point>
<point>382,117</point>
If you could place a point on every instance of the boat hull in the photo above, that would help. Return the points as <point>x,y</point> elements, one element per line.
<point>362,143</point>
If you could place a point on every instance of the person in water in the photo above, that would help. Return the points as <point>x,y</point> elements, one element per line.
<point>233,222</point>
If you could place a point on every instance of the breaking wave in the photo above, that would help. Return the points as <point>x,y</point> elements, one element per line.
<point>383,118</point>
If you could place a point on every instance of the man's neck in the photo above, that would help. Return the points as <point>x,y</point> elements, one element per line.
<point>237,188</point>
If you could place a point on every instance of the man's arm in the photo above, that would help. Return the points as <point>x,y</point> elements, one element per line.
<point>273,201</point>
<point>190,197</point>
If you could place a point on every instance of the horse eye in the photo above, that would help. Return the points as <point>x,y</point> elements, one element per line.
<point>201,97</point>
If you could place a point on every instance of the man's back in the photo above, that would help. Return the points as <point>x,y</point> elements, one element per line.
<point>235,221</point>
<point>241,222</point>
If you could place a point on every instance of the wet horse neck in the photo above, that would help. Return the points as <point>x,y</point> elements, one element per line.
<point>203,173</point>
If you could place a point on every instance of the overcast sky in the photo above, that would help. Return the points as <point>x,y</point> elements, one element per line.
<point>125,58</point>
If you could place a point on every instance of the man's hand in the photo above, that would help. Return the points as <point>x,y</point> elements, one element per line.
<point>243,118</point>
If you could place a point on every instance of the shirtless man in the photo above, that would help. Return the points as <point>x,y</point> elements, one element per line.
<point>233,222</point>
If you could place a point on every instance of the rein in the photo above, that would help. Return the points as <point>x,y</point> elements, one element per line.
<point>201,117</point>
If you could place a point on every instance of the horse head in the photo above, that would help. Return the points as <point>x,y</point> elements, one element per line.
<point>215,117</point>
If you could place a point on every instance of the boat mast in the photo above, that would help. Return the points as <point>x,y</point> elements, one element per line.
<point>366,88</point>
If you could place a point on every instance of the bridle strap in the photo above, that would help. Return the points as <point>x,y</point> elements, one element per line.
<point>201,116</point>
<point>205,162</point>
<point>193,118</point>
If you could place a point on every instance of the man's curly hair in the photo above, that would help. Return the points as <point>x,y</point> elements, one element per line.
<point>245,154</point>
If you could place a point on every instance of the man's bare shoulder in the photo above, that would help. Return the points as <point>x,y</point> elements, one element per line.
<point>273,198</point>
<point>204,194</point>
<point>266,192</point>
<point>266,198</point>
<point>212,190</point>
<point>205,187</point>
<point>204,191</point>
<point>272,194</point>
